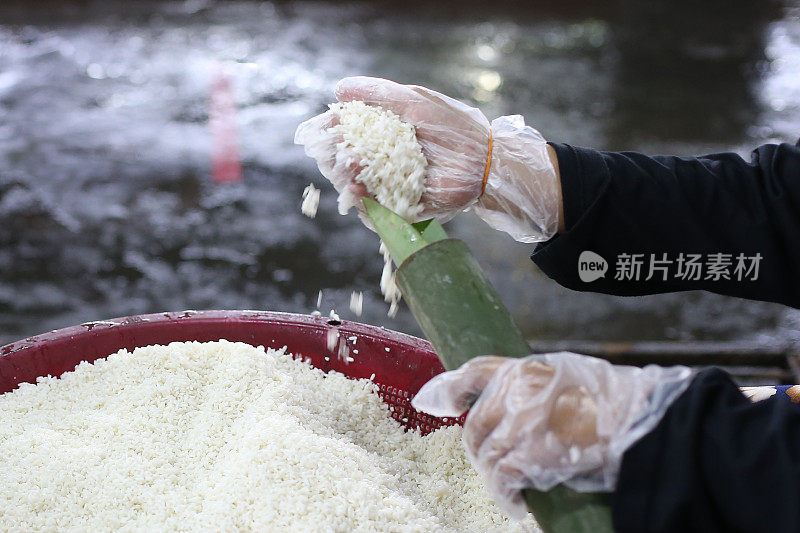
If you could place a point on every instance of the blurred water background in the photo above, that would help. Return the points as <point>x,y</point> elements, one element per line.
<point>107,207</point>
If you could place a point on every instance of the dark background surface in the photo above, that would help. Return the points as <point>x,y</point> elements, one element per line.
<point>106,203</point>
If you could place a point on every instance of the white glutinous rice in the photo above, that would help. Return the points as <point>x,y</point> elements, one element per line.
<point>223,436</point>
<point>310,201</point>
<point>357,302</point>
<point>389,288</point>
<point>392,167</point>
<point>332,338</point>
<point>386,148</point>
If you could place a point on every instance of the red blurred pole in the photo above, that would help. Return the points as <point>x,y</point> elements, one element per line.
<point>225,164</point>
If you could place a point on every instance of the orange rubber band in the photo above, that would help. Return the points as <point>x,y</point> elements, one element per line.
<point>488,165</point>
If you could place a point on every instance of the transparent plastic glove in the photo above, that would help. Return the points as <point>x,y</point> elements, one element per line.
<point>548,419</point>
<point>522,192</point>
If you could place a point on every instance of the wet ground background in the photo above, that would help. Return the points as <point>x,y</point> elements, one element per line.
<point>106,203</point>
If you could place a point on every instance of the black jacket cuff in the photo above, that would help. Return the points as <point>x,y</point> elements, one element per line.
<point>584,176</point>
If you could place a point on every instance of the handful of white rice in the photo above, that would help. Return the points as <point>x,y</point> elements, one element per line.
<point>390,157</point>
<point>225,436</point>
<point>390,164</point>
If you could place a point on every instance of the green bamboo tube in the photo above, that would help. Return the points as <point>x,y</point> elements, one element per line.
<point>463,317</point>
<point>455,305</point>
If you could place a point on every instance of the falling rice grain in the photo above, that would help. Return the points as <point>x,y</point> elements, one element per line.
<point>310,201</point>
<point>357,302</point>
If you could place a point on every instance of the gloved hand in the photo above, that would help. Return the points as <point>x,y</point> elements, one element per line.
<point>522,193</point>
<point>548,419</point>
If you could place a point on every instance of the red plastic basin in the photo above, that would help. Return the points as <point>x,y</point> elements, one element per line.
<point>401,363</point>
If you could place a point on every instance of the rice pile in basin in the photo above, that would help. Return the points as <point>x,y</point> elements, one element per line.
<point>225,436</point>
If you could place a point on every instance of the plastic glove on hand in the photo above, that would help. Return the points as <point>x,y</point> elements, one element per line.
<point>521,193</point>
<point>454,137</point>
<point>549,419</point>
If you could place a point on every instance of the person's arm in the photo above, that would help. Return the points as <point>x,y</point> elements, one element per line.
<point>716,210</point>
<point>677,451</point>
<point>550,419</point>
<point>715,222</point>
<point>503,169</point>
<point>715,462</point>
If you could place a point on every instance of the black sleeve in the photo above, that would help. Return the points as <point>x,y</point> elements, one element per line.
<point>718,211</point>
<point>715,462</point>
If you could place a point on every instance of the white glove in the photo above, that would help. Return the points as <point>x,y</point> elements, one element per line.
<point>521,193</point>
<point>548,419</point>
